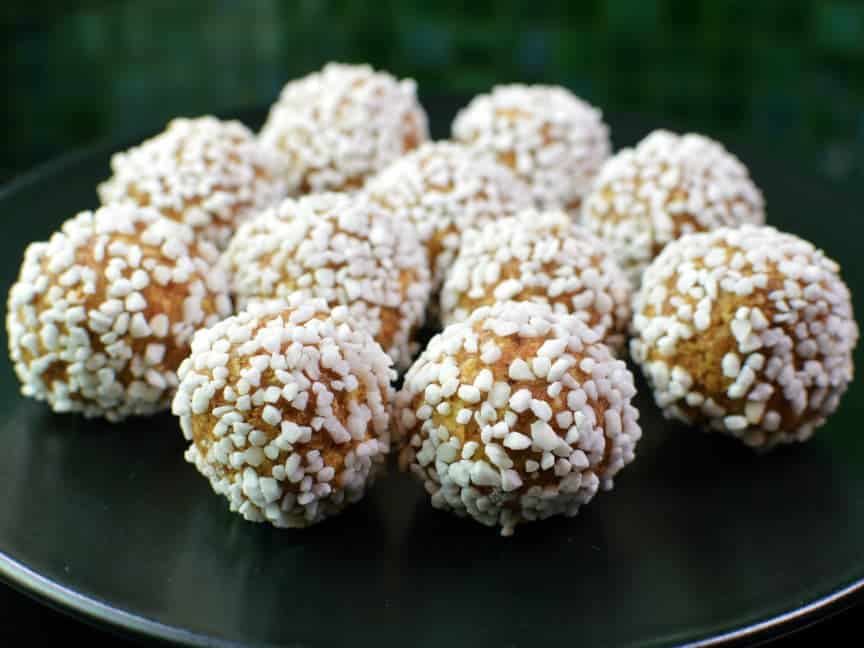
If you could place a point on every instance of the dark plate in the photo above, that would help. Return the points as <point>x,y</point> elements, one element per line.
<point>701,541</point>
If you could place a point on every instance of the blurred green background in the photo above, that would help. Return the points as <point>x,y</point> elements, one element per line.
<point>786,73</point>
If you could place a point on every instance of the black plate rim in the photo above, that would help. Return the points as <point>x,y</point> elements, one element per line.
<point>48,591</point>
<point>79,605</point>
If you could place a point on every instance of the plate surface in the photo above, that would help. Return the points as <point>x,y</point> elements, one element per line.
<point>700,541</point>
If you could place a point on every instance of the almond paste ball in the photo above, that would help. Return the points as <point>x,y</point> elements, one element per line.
<point>344,249</point>
<point>540,257</point>
<point>551,139</point>
<point>209,174</point>
<point>286,411</point>
<point>445,189</point>
<point>516,414</point>
<point>334,128</point>
<point>748,331</point>
<point>102,313</point>
<point>667,186</point>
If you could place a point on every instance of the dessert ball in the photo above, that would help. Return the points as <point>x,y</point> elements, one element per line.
<point>748,331</point>
<point>516,414</point>
<point>540,257</point>
<point>286,411</point>
<point>344,249</point>
<point>669,185</point>
<point>206,173</point>
<point>102,313</point>
<point>553,140</point>
<point>445,189</point>
<point>336,127</point>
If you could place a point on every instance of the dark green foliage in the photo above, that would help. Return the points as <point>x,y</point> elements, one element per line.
<point>788,72</point>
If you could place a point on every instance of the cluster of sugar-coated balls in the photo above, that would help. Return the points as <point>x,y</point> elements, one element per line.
<point>342,227</point>
<point>103,312</point>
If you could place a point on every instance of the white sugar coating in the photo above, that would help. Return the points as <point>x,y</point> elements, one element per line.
<point>749,331</point>
<point>103,312</point>
<point>334,128</point>
<point>209,174</point>
<point>444,189</point>
<point>541,257</point>
<point>342,248</point>
<point>553,140</point>
<point>519,452</point>
<point>310,432</point>
<point>667,186</point>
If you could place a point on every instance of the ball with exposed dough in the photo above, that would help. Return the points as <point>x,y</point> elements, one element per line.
<point>206,173</point>
<point>554,141</point>
<point>667,186</point>
<point>444,189</point>
<point>334,128</point>
<point>103,312</point>
<point>285,408</point>
<point>516,414</point>
<point>342,248</point>
<point>748,331</point>
<point>540,257</point>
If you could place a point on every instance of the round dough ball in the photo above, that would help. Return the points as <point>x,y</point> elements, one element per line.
<point>206,173</point>
<point>748,331</point>
<point>344,249</point>
<point>540,257</point>
<point>286,411</point>
<point>517,413</point>
<point>552,139</point>
<point>336,127</point>
<point>669,185</point>
<point>445,189</point>
<point>102,313</point>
